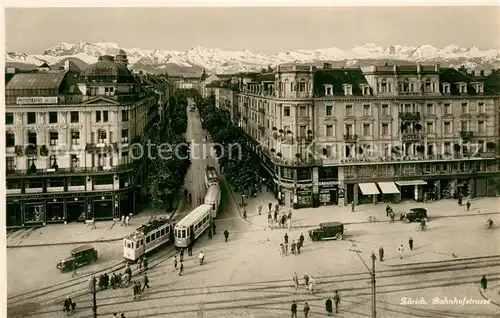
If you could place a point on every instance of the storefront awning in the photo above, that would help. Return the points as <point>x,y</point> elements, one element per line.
<point>388,187</point>
<point>368,188</point>
<point>411,182</point>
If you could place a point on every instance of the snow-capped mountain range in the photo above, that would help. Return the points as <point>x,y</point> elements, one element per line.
<point>221,61</point>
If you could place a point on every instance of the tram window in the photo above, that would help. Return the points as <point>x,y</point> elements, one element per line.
<point>162,231</point>
<point>213,206</point>
<point>183,233</point>
<point>142,242</point>
<point>147,239</point>
<point>132,245</point>
<point>175,232</point>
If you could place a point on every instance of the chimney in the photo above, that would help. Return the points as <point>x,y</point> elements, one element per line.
<point>436,67</point>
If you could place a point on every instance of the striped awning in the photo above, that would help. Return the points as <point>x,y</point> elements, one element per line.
<point>388,187</point>
<point>411,182</point>
<point>368,188</point>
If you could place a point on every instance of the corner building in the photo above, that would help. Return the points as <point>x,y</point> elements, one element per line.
<point>372,134</point>
<point>68,134</point>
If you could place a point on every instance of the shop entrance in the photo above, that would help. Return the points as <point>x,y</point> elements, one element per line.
<point>407,192</point>
<point>103,209</point>
<point>74,211</point>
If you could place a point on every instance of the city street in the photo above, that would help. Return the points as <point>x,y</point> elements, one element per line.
<point>249,271</point>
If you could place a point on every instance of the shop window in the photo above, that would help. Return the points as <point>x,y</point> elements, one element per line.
<point>9,118</point>
<point>77,181</point>
<point>101,180</point>
<point>303,174</point>
<point>287,173</point>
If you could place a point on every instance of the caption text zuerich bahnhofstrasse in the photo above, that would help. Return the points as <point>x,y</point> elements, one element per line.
<point>444,301</point>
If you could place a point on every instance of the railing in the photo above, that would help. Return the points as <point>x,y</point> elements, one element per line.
<point>75,170</point>
<point>101,147</point>
<point>350,138</point>
<point>466,134</point>
<point>410,116</point>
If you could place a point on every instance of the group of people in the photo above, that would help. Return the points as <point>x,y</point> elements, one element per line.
<point>294,247</point>
<point>282,219</point>
<point>390,213</point>
<point>309,282</point>
<point>329,303</point>
<point>381,251</point>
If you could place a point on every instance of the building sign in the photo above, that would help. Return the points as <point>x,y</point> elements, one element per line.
<point>68,195</point>
<point>37,100</point>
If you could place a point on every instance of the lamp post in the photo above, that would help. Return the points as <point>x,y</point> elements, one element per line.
<point>93,291</point>
<point>372,277</point>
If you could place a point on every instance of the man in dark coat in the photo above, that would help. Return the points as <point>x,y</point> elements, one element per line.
<point>484,283</point>
<point>226,234</point>
<point>181,268</point>
<point>146,282</point>
<point>336,299</point>
<point>381,254</point>
<point>68,305</point>
<point>329,306</point>
<point>213,227</point>
<point>270,205</point>
<point>106,280</point>
<point>275,216</point>
<point>293,309</point>
<point>410,243</point>
<point>301,238</point>
<point>145,263</point>
<point>128,272</point>
<point>286,243</point>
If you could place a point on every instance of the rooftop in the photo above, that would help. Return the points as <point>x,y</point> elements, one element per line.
<point>42,80</point>
<point>337,78</point>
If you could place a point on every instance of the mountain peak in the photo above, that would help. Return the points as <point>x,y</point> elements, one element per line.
<point>220,61</point>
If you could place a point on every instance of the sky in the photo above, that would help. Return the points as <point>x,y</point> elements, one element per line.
<point>266,30</point>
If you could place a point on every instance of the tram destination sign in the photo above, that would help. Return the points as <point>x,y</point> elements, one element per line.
<point>36,100</point>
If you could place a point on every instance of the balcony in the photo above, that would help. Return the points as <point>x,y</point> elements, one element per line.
<point>103,186</point>
<point>55,189</point>
<point>13,191</point>
<point>407,137</point>
<point>33,190</point>
<point>410,116</point>
<point>31,150</point>
<point>74,170</point>
<point>101,147</point>
<point>350,138</point>
<point>466,135</point>
<point>76,188</point>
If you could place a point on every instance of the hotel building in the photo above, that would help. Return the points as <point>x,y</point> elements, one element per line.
<point>372,134</point>
<point>68,134</point>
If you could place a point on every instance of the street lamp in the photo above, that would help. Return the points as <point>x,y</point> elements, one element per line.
<point>372,276</point>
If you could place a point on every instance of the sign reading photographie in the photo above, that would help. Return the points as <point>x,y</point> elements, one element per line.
<point>37,100</point>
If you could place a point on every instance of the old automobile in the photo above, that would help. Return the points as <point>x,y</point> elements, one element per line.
<point>415,215</point>
<point>80,256</point>
<point>327,231</point>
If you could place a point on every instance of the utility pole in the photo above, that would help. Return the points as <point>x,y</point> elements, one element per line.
<point>93,291</point>
<point>374,294</point>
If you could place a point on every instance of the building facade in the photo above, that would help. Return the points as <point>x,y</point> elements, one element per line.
<point>372,134</point>
<point>68,138</point>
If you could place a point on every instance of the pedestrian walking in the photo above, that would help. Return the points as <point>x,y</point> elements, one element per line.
<point>282,249</point>
<point>112,281</point>
<point>468,205</point>
<point>329,306</point>
<point>299,245</point>
<point>301,238</point>
<point>123,220</point>
<point>352,206</point>
<point>387,210</point>
<point>128,272</point>
<point>139,263</point>
<point>289,224</point>
<point>336,300</point>
<point>92,224</point>
<point>127,220</point>
<point>276,208</point>
<point>181,255</point>
<point>175,263</point>
<point>293,309</point>
<point>210,235</point>
<point>190,249</point>
<point>294,246</point>
<point>75,266</point>
<point>226,234</point>
<point>381,254</point>
<point>410,243</point>
<point>295,280</point>
<point>275,216</point>
<point>259,209</point>
<point>306,280</point>
<point>181,269</point>
<point>312,284</point>
<point>286,243</point>
<point>460,200</point>
<point>106,280</point>
<point>145,263</point>
<point>135,291</point>
<point>270,206</point>
<point>68,306</point>
<point>214,227</point>
<point>306,310</point>
<point>484,283</point>
<point>146,282</point>
<point>400,250</point>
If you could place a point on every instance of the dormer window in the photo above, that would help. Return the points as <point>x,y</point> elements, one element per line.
<point>446,88</point>
<point>347,89</point>
<point>462,88</point>
<point>365,89</point>
<point>479,87</point>
<point>328,90</point>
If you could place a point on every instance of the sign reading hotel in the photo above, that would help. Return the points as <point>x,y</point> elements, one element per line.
<point>37,100</point>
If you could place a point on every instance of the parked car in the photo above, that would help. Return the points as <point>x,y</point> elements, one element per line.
<point>327,231</point>
<point>415,215</point>
<point>81,255</point>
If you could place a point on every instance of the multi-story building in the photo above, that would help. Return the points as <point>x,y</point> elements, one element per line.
<point>226,98</point>
<point>187,82</point>
<point>68,134</point>
<point>380,133</point>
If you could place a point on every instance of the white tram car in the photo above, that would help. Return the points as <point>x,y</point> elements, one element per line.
<point>211,177</point>
<point>193,225</point>
<point>147,238</point>
<point>213,198</point>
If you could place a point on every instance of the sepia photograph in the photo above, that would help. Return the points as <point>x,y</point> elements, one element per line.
<point>251,161</point>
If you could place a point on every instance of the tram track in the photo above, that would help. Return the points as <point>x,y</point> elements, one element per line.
<point>72,287</point>
<point>163,292</point>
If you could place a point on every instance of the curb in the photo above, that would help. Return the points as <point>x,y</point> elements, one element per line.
<point>491,301</point>
<point>460,259</point>
<point>235,200</point>
<point>85,242</point>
